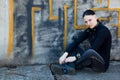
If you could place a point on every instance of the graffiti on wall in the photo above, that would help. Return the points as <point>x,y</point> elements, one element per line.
<point>54,17</point>
<point>11,31</point>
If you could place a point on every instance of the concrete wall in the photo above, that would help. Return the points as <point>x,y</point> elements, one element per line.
<point>37,31</point>
<point>4,28</point>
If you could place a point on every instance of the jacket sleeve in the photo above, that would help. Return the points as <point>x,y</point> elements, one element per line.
<point>76,41</point>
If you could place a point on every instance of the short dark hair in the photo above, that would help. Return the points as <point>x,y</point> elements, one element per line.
<point>88,12</point>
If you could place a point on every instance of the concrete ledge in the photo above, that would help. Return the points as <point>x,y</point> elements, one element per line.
<point>42,72</point>
<point>113,73</point>
<point>34,72</point>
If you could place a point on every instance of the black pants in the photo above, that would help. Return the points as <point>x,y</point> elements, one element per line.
<point>89,58</point>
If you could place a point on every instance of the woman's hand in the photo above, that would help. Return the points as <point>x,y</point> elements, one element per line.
<point>63,58</point>
<point>70,59</point>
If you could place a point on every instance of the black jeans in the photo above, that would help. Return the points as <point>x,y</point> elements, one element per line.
<point>89,58</point>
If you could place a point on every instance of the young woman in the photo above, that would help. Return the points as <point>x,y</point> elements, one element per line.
<point>95,57</point>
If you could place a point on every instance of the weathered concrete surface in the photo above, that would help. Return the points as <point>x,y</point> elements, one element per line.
<point>42,72</point>
<point>113,73</point>
<point>4,26</point>
<point>35,72</point>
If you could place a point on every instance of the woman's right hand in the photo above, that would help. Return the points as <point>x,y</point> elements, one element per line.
<point>63,58</point>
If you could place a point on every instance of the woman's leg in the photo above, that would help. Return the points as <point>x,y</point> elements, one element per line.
<point>78,52</point>
<point>91,57</point>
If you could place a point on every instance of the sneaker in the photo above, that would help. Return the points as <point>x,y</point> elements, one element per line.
<point>62,69</point>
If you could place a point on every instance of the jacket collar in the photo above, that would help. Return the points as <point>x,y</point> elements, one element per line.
<point>96,27</point>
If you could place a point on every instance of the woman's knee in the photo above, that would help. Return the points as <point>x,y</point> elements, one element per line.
<point>90,50</point>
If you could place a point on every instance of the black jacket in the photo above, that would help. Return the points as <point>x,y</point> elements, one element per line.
<point>99,38</point>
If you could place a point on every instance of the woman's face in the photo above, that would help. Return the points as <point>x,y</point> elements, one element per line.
<point>90,20</point>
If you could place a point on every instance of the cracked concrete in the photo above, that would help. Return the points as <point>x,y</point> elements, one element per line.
<point>43,72</point>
